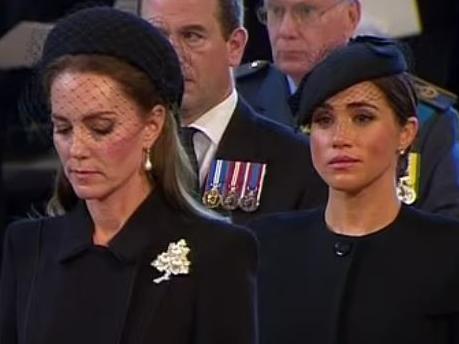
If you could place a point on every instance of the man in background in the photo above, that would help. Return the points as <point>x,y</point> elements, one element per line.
<point>247,165</point>
<point>302,33</point>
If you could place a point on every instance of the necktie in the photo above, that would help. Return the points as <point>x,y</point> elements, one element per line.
<point>187,134</point>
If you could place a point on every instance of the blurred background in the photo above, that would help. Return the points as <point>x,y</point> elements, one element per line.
<point>430,28</point>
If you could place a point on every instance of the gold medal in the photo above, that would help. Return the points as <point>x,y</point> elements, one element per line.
<point>212,198</point>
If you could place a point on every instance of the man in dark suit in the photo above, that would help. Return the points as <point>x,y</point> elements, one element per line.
<point>302,33</point>
<point>247,164</point>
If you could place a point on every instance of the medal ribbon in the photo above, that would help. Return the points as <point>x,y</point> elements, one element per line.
<point>246,178</point>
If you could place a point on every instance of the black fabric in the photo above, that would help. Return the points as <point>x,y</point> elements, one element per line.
<point>364,58</point>
<point>187,135</point>
<point>267,91</point>
<point>107,31</point>
<point>83,293</point>
<point>291,182</point>
<point>398,285</point>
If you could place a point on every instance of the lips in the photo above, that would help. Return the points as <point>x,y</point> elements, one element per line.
<point>343,161</point>
<point>83,173</point>
<point>291,54</point>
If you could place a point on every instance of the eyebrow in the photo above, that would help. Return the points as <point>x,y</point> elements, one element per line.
<point>88,116</point>
<point>193,27</point>
<point>356,104</point>
<point>362,104</point>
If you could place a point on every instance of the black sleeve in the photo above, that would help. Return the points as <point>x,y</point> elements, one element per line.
<point>8,316</point>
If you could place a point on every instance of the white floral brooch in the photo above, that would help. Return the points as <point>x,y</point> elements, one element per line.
<point>172,262</point>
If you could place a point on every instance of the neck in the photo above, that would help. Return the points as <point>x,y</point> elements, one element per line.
<point>362,213</point>
<point>191,115</point>
<point>111,213</point>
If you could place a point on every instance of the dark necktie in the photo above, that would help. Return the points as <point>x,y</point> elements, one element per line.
<point>187,134</point>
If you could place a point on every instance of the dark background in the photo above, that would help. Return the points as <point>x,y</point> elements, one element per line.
<point>435,52</point>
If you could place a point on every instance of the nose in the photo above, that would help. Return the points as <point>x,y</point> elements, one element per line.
<point>287,25</point>
<point>342,134</point>
<point>78,145</point>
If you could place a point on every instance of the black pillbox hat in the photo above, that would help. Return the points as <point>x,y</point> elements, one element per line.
<point>107,31</point>
<point>363,58</point>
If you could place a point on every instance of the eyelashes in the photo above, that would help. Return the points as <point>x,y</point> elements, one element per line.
<point>95,130</point>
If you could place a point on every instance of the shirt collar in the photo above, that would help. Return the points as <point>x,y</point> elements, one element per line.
<point>291,85</point>
<point>214,122</point>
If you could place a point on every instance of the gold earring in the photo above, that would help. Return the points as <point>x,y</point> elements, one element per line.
<point>147,164</point>
<point>401,151</point>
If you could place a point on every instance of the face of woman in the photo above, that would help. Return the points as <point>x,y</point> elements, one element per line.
<point>100,135</point>
<point>356,139</point>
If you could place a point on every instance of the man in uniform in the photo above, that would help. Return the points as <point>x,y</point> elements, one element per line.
<point>247,165</point>
<point>302,33</point>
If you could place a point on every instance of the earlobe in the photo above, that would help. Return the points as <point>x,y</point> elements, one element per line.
<point>236,45</point>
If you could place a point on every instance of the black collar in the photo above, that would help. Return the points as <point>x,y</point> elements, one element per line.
<point>149,229</point>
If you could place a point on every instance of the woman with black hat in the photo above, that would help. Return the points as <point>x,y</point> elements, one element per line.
<point>127,256</point>
<point>366,269</point>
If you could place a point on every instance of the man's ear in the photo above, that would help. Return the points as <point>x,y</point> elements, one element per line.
<point>236,45</point>
<point>354,14</point>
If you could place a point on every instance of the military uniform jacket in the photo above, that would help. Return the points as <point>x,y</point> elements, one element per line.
<point>291,182</point>
<point>437,180</point>
<point>398,285</point>
<point>57,287</point>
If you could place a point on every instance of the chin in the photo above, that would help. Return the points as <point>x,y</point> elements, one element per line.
<point>345,185</point>
<point>88,193</point>
<point>293,69</point>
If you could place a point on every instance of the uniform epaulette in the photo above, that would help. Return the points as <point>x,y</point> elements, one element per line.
<point>250,68</point>
<point>434,95</point>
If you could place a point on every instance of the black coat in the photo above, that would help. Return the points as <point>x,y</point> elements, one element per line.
<point>291,182</point>
<point>265,88</point>
<point>398,285</point>
<point>57,287</point>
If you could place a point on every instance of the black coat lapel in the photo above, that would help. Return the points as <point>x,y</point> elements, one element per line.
<point>147,234</point>
<point>239,137</point>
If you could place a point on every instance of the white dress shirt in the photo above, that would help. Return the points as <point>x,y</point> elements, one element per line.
<point>211,127</point>
<point>291,85</point>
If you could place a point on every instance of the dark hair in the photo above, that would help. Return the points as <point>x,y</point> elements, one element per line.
<point>401,96</point>
<point>230,15</point>
<point>171,170</point>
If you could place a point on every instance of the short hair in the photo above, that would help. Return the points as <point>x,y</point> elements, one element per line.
<point>230,15</point>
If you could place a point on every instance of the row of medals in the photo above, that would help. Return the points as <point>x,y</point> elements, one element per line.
<point>246,199</point>
<point>231,201</point>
